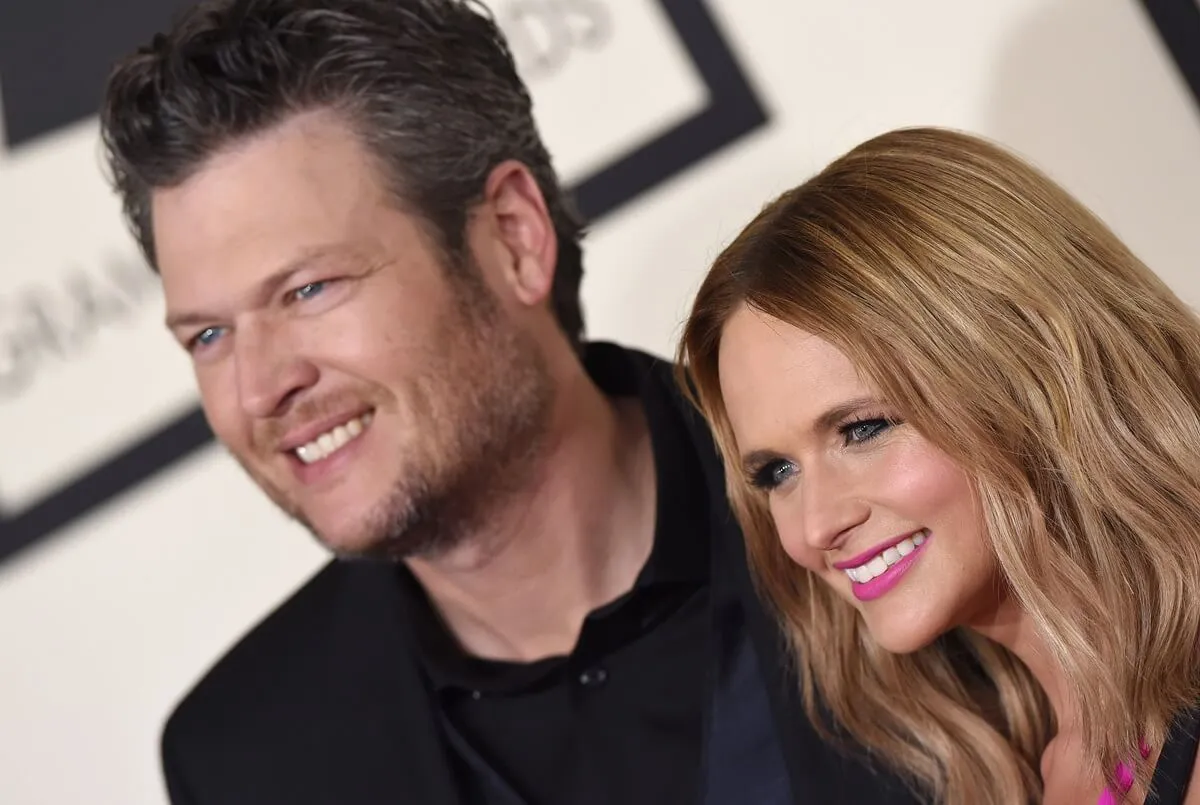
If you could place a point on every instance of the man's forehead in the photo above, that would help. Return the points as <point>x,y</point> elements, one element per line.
<point>309,166</point>
<point>222,240</point>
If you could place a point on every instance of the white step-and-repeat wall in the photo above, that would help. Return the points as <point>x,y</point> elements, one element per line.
<point>133,551</point>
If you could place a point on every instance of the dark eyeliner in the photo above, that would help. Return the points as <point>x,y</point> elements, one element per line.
<point>763,476</point>
<point>881,425</point>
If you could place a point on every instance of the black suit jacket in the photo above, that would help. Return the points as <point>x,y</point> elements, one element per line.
<point>324,702</point>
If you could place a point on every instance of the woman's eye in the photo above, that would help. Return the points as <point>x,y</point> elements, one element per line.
<point>772,475</point>
<point>864,430</point>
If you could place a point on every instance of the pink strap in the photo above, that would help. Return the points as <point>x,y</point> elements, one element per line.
<point>1124,779</point>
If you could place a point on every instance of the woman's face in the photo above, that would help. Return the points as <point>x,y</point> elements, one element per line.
<point>858,497</point>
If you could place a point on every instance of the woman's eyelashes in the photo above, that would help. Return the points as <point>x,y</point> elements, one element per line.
<point>773,473</point>
<point>864,430</point>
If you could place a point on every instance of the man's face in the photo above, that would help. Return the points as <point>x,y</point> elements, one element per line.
<point>373,397</point>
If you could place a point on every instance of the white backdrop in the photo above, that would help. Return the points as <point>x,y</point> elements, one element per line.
<point>104,624</point>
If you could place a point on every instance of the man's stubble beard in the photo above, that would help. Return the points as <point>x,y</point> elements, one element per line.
<point>491,408</point>
<point>484,419</point>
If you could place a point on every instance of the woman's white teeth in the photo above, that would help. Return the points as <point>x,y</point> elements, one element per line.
<point>333,440</point>
<point>890,556</point>
<point>876,566</point>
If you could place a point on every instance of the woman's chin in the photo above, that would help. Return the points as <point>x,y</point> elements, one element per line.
<point>901,639</point>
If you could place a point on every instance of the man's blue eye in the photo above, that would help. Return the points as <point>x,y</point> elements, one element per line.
<point>308,291</point>
<point>207,336</point>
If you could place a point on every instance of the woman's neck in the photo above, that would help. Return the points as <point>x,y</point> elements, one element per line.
<point>1011,627</point>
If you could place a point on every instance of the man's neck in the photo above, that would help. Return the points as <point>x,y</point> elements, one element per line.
<point>575,540</point>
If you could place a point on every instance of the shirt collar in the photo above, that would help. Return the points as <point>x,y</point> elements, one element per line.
<point>681,551</point>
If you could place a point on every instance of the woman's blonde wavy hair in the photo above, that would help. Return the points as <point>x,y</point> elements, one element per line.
<point>1016,332</point>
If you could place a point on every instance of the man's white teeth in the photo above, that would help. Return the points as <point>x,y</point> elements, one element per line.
<point>333,440</point>
<point>881,562</point>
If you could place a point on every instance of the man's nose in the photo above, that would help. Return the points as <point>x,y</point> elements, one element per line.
<point>270,371</point>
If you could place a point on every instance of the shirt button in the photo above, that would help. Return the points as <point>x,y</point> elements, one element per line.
<point>592,677</point>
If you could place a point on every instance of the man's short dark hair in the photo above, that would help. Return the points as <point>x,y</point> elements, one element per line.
<point>430,86</point>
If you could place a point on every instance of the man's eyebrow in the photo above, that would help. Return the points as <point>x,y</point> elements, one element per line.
<point>268,285</point>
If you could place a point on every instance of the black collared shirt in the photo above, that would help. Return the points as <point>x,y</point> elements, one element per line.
<point>619,719</point>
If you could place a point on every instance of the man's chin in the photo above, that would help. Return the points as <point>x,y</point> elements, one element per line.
<point>355,547</point>
<point>344,540</point>
<point>370,541</point>
<point>419,519</point>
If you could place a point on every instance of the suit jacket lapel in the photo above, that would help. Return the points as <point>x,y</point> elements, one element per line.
<point>390,753</point>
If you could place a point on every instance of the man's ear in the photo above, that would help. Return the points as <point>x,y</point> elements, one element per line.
<point>529,243</point>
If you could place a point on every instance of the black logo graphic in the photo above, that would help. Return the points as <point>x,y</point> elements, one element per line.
<point>53,67</point>
<point>1178,23</point>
